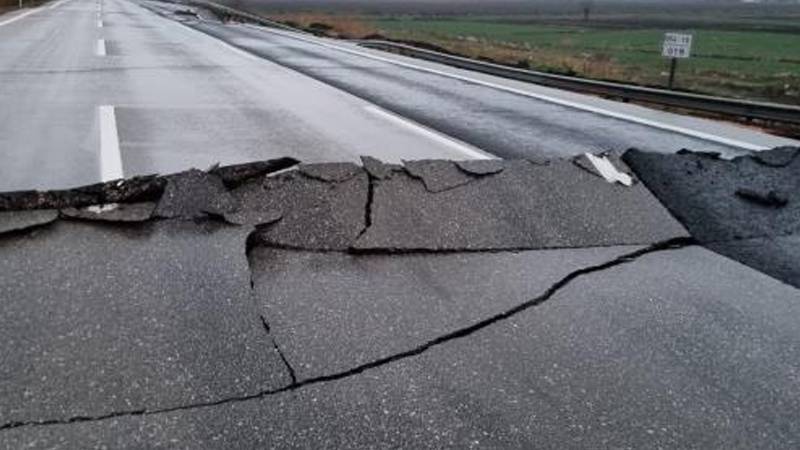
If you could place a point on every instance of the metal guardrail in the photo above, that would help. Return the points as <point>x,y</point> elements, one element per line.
<point>772,112</point>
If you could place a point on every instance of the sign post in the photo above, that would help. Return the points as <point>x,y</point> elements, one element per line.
<point>676,45</point>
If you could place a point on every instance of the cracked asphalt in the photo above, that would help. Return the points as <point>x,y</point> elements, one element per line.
<point>436,304</point>
<point>353,295</point>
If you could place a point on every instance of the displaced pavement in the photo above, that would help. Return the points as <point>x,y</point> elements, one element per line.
<point>436,304</point>
<point>423,295</point>
<point>747,208</point>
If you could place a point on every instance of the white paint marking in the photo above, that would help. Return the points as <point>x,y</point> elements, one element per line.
<point>570,104</point>
<point>21,16</point>
<point>110,157</point>
<point>470,151</point>
<point>608,171</point>
<point>99,24</point>
<point>101,47</point>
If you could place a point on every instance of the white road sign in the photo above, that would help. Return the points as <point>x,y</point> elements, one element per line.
<point>677,45</point>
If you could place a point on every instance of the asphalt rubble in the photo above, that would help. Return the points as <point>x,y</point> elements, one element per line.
<point>634,300</point>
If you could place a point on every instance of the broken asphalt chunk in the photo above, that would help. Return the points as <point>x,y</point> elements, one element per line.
<point>114,212</point>
<point>12,221</point>
<point>438,175</point>
<point>235,175</point>
<point>740,208</point>
<point>137,189</point>
<point>481,167</point>
<point>702,192</point>
<point>332,172</point>
<point>378,169</point>
<point>194,194</point>
<point>525,206</point>
<point>707,155</point>
<point>253,217</point>
<point>315,214</point>
<point>777,157</point>
<point>254,207</point>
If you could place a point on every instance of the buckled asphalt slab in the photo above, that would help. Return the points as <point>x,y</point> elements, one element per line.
<point>194,194</point>
<point>113,212</point>
<point>11,221</point>
<point>433,305</point>
<point>747,208</point>
<point>525,206</point>
<point>317,214</point>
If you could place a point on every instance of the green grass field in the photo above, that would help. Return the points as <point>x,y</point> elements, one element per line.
<point>747,64</point>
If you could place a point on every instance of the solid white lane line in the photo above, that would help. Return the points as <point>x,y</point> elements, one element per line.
<point>110,157</point>
<point>468,150</point>
<point>101,47</point>
<point>21,16</point>
<point>570,104</point>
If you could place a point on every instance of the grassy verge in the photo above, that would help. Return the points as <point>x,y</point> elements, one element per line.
<point>742,61</point>
<point>746,64</point>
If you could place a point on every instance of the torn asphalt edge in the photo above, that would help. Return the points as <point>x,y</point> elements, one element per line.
<point>746,208</point>
<point>249,193</point>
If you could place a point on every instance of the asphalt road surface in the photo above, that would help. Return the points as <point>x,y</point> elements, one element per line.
<point>486,304</point>
<point>525,295</point>
<point>95,90</point>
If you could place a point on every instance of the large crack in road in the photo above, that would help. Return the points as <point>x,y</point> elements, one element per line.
<point>395,252</point>
<point>461,333</point>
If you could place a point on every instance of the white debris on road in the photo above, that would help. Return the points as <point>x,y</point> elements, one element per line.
<point>608,171</point>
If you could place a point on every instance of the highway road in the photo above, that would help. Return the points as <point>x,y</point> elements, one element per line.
<point>95,90</point>
<point>437,304</point>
